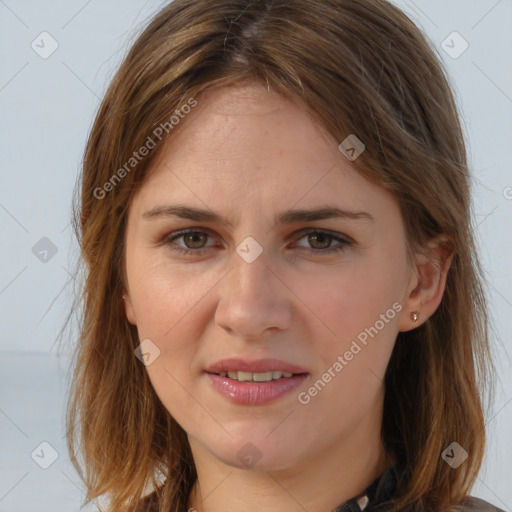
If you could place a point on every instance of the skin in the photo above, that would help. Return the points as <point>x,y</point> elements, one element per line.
<point>247,154</point>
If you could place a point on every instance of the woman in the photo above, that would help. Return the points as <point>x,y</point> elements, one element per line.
<point>283,309</point>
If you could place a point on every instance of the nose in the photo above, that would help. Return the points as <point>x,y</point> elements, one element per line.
<point>254,301</point>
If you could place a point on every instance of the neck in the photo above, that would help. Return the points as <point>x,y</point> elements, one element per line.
<point>334,476</point>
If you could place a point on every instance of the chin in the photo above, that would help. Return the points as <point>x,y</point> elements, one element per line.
<point>256,455</point>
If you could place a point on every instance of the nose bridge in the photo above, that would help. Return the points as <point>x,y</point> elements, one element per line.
<point>251,271</point>
<point>252,299</point>
<point>250,279</point>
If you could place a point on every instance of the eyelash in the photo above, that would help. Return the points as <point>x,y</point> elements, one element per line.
<point>343,242</point>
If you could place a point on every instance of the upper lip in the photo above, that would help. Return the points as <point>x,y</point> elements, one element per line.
<point>255,366</point>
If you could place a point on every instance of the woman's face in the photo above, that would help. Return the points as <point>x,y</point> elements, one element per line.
<point>323,296</point>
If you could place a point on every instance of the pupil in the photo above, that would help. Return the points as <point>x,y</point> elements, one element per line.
<point>319,237</point>
<point>192,238</point>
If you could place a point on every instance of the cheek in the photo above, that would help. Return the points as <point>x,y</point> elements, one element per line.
<point>161,294</point>
<point>168,304</point>
<point>356,317</point>
<point>350,298</point>
<point>172,307</point>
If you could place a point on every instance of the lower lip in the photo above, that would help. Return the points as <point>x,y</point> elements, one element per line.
<point>255,393</point>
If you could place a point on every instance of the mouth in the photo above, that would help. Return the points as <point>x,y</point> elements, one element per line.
<point>266,376</point>
<point>255,382</point>
<point>257,370</point>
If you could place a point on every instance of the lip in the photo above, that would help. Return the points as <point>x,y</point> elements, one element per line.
<point>255,366</point>
<point>255,393</point>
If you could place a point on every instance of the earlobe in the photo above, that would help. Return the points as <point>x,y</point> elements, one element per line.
<point>427,284</point>
<point>128,307</point>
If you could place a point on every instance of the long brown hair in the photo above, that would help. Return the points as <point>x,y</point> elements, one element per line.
<point>358,67</point>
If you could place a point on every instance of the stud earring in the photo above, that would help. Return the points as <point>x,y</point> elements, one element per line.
<point>124,297</point>
<point>415,315</point>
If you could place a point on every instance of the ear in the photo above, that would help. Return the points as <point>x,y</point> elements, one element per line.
<point>128,307</point>
<point>427,282</point>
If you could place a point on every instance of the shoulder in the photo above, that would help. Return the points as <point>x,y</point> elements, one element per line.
<point>473,504</point>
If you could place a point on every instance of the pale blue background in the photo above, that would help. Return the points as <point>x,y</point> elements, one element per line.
<point>47,108</point>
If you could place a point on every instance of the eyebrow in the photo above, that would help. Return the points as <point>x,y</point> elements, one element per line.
<point>285,217</point>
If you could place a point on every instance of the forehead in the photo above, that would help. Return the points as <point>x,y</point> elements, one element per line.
<point>246,123</point>
<point>244,147</point>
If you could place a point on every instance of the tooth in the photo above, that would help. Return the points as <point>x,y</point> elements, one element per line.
<point>245,376</point>
<point>262,377</point>
<point>256,377</point>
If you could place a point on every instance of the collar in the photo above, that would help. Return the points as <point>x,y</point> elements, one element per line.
<point>379,491</point>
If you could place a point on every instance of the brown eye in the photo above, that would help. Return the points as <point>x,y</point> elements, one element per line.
<point>192,242</point>
<point>195,239</point>
<point>319,240</point>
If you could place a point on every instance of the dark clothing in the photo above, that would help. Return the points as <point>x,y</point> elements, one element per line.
<point>383,489</point>
<point>372,500</point>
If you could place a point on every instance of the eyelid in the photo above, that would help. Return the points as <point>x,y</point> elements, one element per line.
<point>169,238</point>
<point>295,234</point>
<point>342,239</point>
<point>335,234</point>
